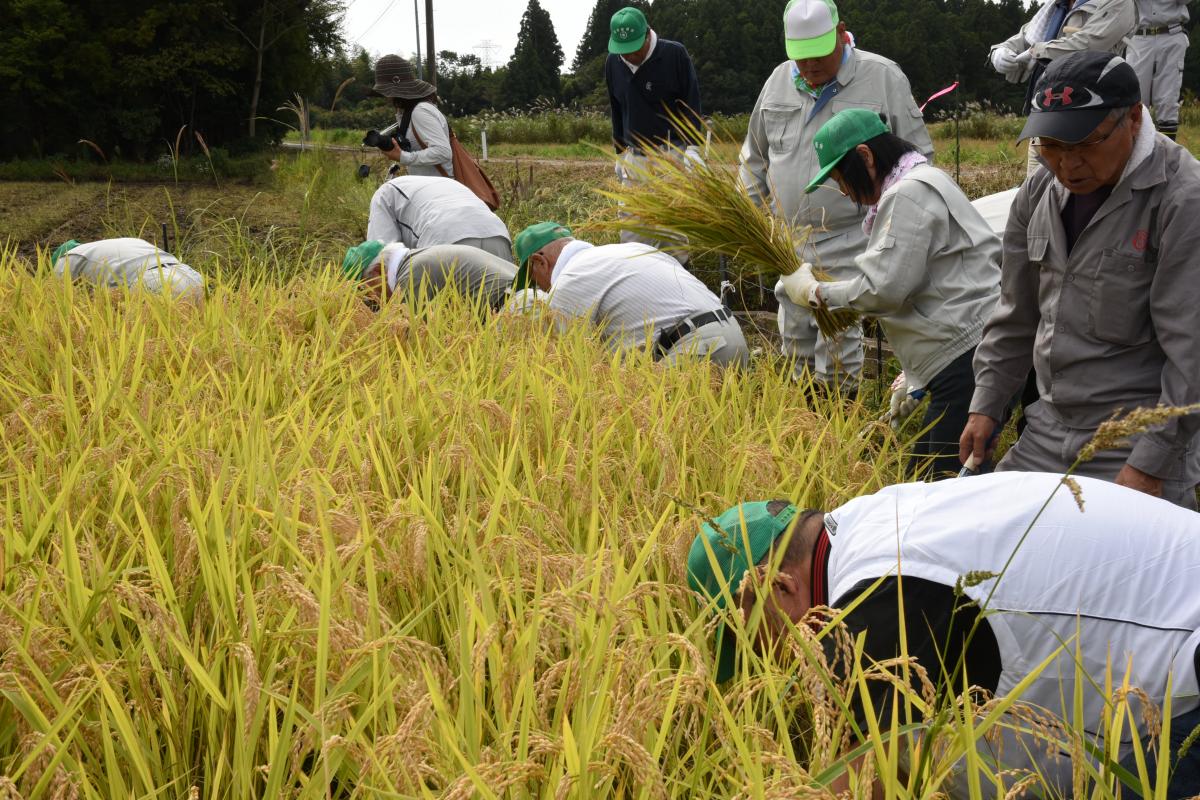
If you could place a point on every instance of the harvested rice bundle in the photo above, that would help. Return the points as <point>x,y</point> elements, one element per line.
<point>706,203</point>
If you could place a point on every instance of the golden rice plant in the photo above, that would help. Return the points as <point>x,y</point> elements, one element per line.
<point>707,204</point>
<point>284,547</point>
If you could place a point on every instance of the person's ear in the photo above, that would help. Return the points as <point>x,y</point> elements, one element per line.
<point>1136,119</point>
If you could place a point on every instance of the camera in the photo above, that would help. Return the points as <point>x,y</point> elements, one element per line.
<point>387,138</point>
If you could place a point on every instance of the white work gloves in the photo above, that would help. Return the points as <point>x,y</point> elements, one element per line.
<point>802,287</point>
<point>692,157</point>
<point>904,401</point>
<point>1009,64</point>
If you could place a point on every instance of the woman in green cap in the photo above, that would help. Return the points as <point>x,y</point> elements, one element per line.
<point>930,272</point>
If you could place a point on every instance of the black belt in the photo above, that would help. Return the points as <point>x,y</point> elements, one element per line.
<point>669,337</point>
<point>1157,30</point>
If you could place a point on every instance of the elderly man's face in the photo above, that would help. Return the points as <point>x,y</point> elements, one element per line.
<point>639,55</point>
<point>820,71</point>
<point>541,263</point>
<point>1097,161</point>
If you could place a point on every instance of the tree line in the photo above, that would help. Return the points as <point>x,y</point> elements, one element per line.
<point>129,77</point>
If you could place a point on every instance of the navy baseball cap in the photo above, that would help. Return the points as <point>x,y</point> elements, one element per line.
<point>1076,93</point>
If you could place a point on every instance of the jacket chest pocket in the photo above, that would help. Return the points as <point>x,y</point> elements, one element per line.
<point>1120,302</point>
<point>783,127</point>
<point>1037,246</point>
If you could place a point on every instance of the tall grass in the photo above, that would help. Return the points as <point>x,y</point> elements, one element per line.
<point>285,547</point>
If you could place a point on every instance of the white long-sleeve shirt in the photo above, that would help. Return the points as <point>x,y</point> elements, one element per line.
<point>429,125</point>
<point>130,262</point>
<point>630,290</point>
<point>421,211</point>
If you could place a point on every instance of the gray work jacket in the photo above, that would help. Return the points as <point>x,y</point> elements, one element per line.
<point>1103,25</point>
<point>1115,324</point>
<point>930,273</point>
<point>1157,13</point>
<point>778,159</point>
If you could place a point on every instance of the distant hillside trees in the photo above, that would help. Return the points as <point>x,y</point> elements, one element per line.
<point>128,75</point>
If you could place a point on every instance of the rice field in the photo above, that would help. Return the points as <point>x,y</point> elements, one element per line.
<point>282,546</point>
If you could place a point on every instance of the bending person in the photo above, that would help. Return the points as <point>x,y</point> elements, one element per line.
<point>393,269</point>
<point>129,262</point>
<point>1097,593</point>
<point>629,290</point>
<point>419,212</point>
<point>930,272</point>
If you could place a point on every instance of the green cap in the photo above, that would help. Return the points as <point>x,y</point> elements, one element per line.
<point>627,31</point>
<point>723,553</point>
<point>845,131</point>
<point>532,239</point>
<point>359,258</point>
<point>810,28</point>
<point>62,250</point>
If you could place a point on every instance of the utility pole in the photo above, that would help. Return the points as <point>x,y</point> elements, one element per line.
<point>430,53</point>
<point>417,23</point>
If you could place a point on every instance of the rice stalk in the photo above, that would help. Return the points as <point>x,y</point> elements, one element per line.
<point>707,204</point>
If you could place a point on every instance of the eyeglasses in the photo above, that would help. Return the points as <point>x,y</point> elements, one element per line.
<point>1056,149</point>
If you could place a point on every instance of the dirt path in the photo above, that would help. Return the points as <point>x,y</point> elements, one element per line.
<point>554,162</point>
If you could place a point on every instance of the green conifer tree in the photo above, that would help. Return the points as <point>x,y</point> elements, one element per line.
<point>533,71</point>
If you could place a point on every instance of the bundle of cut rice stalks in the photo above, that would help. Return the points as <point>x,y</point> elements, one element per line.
<point>674,196</point>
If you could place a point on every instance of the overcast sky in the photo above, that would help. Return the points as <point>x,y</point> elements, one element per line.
<point>386,26</point>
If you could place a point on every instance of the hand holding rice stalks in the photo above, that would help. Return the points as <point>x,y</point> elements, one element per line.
<point>677,196</point>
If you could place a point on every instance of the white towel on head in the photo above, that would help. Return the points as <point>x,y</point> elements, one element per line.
<point>392,256</point>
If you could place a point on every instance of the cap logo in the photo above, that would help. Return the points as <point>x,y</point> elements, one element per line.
<point>1063,97</point>
<point>625,33</point>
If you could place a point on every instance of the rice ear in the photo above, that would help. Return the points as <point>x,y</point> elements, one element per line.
<point>707,204</point>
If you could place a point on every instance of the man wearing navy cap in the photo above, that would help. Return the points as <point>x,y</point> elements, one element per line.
<point>1099,288</point>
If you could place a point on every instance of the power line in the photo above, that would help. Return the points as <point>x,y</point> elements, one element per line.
<point>386,9</point>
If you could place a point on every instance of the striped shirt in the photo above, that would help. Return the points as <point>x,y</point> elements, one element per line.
<point>631,291</point>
